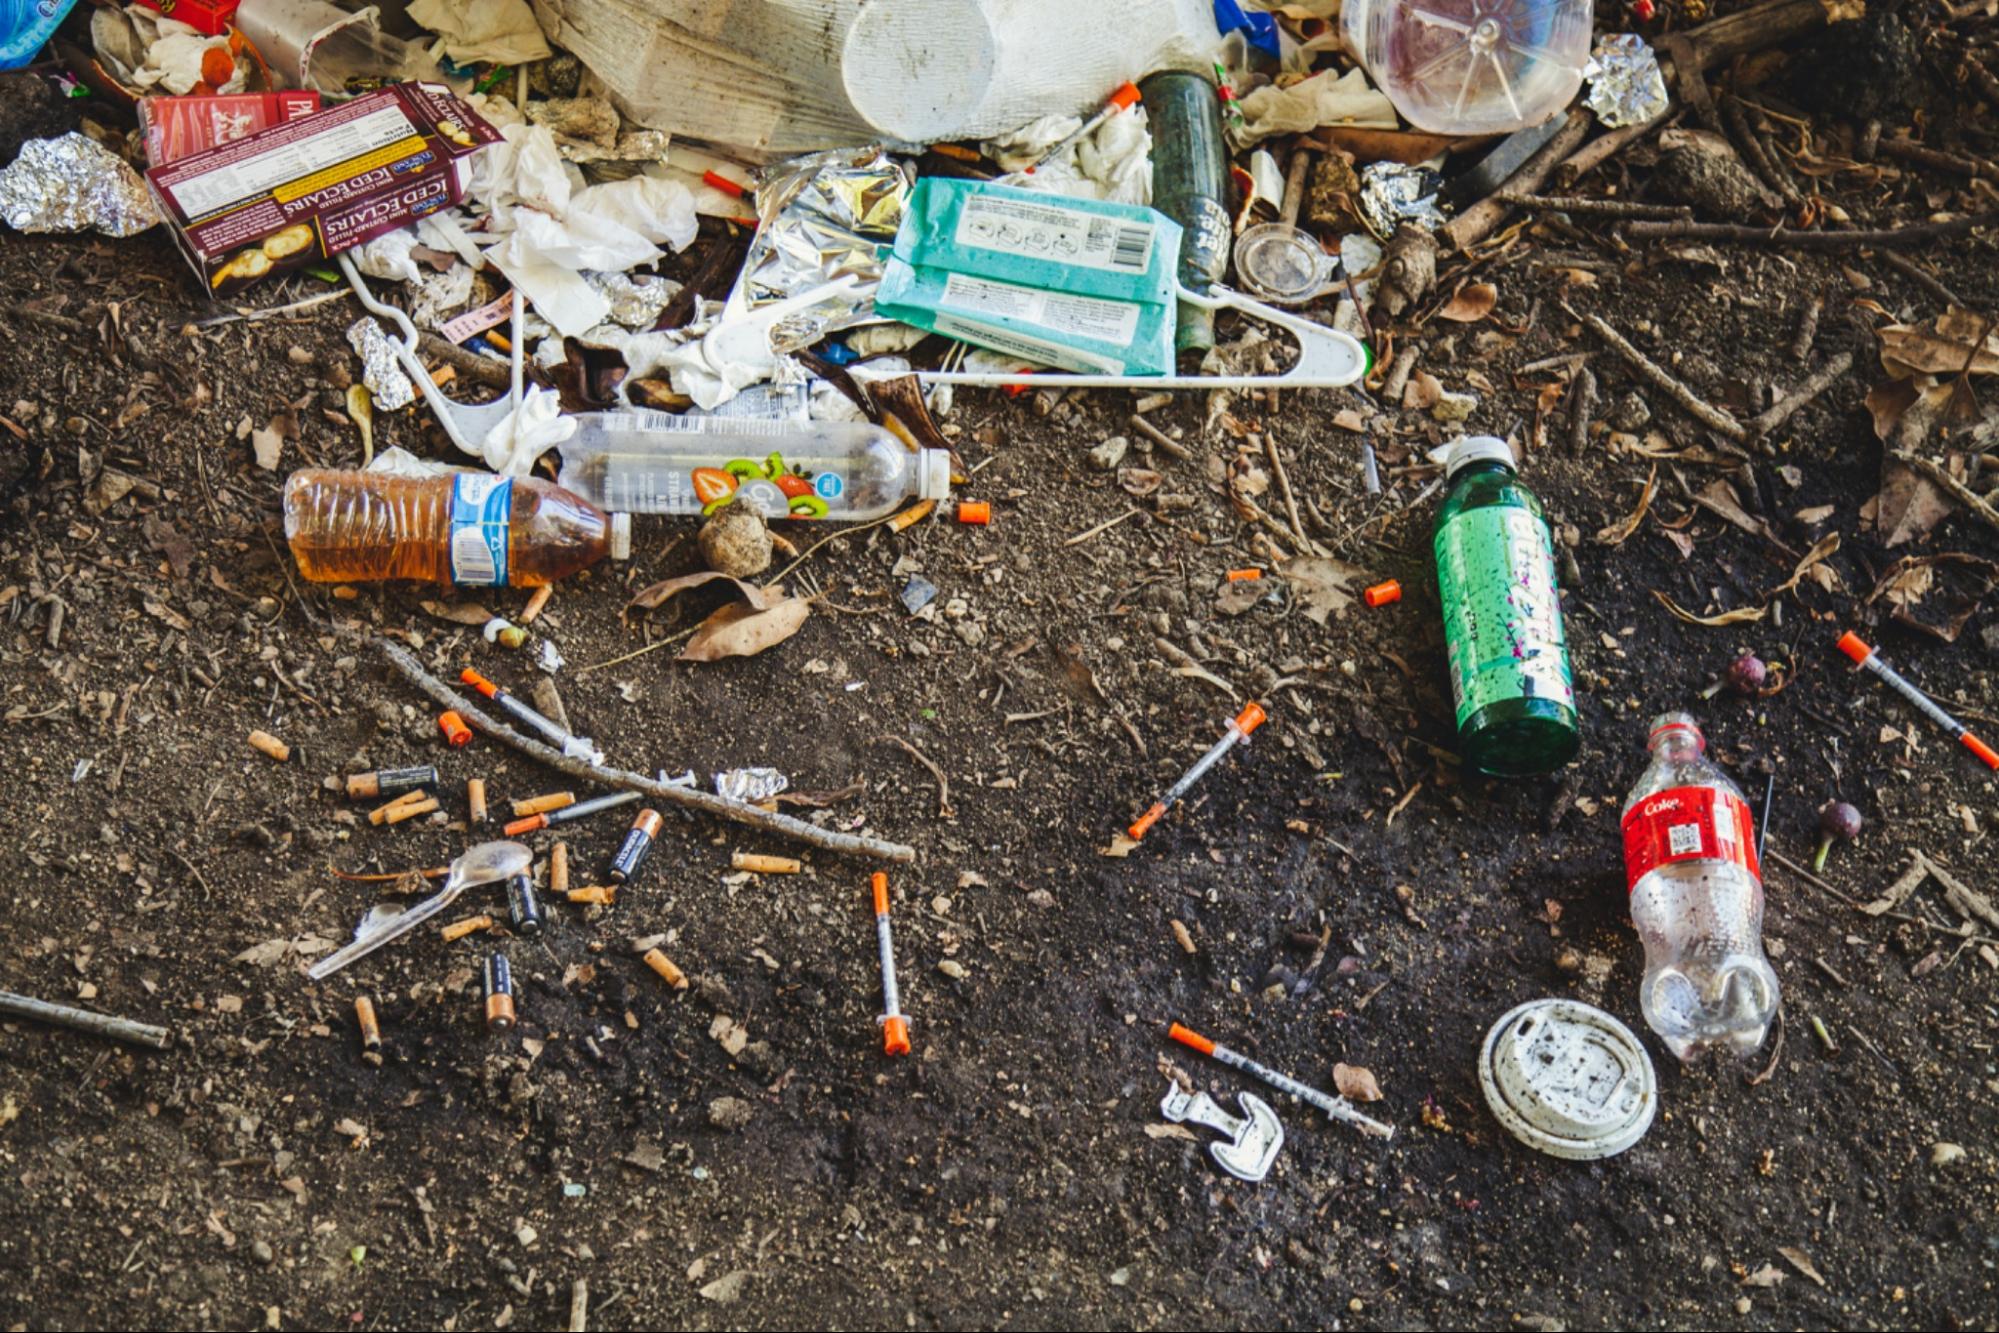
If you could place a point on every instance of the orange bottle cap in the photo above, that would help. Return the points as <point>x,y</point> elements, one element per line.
<point>454,729</point>
<point>975,511</point>
<point>1381,594</point>
<point>895,1036</point>
<point>1850,644</point>
<point>1250,718</point>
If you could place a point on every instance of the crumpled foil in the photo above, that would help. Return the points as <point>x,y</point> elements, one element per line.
<point>822,217</point>
<point>750,784</point>
<point>1391,193</point>
<point>380,371</point>
<point>636,299</point>
<point>74,183</point>
<point>1626,87</point>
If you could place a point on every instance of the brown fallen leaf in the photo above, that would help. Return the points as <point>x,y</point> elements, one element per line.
<point>1166,1131</point>
<point>458,613</point>
<point>1720,498</point>
<point>1739,615</point>
<point>1816,515</point>
<point>1952,583</point>
<point>742,630</point>
<point>1356,1083</point>
<point>1824,547</point>
<point>1909,504</point>
<point>1616,533</point>
<point>1801,1261</point>
<point>1470,303</point>
<point>1119,846</point>
<point>167,616</point>
<point>1956,342</point>
<point>1322,586</point>
<point>659,593</point>
<point>1423,391</point>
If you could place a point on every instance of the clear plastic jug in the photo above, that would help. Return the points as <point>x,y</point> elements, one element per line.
<point>1472,66</point>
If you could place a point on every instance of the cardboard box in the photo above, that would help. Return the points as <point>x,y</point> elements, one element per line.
<point>302,192</point>
<point>178,127</point>
<point>210,17</point>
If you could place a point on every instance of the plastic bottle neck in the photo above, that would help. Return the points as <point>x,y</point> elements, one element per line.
<point>1484,467</point>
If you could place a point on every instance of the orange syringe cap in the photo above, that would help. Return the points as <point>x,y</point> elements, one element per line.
<point>1850,644</point>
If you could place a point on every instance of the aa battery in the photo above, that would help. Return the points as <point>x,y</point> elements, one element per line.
<point>389,782</point>
<point>499,993</point>
<point>523,907</point>
<point>637,846</point>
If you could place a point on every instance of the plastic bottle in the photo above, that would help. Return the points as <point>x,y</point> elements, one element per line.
<point>1472,66</point>
<point>1190,182</point>
<point>1509,660</point>
<point>656,463</point>
<point>1697,900</point>
<point>25,25</point>
<point>473,529</point>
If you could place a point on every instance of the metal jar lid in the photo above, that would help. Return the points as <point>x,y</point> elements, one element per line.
<point>1568,1079</point>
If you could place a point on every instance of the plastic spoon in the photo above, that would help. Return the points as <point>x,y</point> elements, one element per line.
<point>483,864</point>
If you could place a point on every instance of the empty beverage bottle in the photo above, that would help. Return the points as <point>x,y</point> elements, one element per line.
<point>1509,660</point>
<point>657,463</point>
<point>473,529</point>
<point>1472,66</point>
<point>1697,900</point>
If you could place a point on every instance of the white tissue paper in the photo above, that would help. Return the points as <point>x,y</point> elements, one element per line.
<point>502,31</point>
<point>535,426</point>
<point>1310,103</point>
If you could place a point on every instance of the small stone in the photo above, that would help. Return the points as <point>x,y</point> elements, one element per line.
<point>1042,898</point>
<point>1106,456</point>
<point>952,969</point>
<point>736,541</point>
<point>727,1289</point>
<point>526,1235</point>
<point>730,1113</point>
<point>1453,409</point>
<point>1742,1305</point>
<point>1632,413</point>
<point>1945,1154</point>
<point>261,1251</point>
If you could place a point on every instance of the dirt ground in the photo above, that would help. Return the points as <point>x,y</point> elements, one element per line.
<point>1011,1172</point>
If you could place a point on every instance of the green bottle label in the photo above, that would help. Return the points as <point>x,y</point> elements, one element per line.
<point>1502,619</point>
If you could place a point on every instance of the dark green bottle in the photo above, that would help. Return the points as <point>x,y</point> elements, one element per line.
<point>1509,659</point>
<point>1190,184</point>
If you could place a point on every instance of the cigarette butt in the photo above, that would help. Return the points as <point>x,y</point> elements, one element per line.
<point>514,828</point>
<point>444,374</point>
<point>541,805</point>
<point>270,745</point>
<point>458,930</point>
<point>382,812</point>
<point>600,895</point>
<point>558,869</point>
<point>1244,575</point>
<point>454,728</point>
<point>763,865</point>
<point>1381,594</point>
<point>371,1030</point>
<point>410,810</point>
<point>976,512</point>
<point>536,603</point>
<point>1184,936</point>
<point>475,799</point>
<point>668,973</point>
<point>913,515</point>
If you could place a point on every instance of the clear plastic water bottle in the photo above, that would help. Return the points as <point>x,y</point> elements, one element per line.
<point>1472,66</point>
<point>1697,900</point>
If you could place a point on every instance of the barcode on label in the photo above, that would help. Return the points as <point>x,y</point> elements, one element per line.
<point>1133,249</point>
<point>1683,839</point>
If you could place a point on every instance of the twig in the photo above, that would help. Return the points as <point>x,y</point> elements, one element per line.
<point>48,317</point>
<point>1706,413</point>
<point>1166,443</point>
<point>1808,240</point>
<point>1602,208</point>
<point>1808,327</point>
<point>1284,493</point>
<point>1917,274</point>
<point>1810,389</point>
<point>1756,1080</point>
<point>1477,222</point>
<point>943,787</point>
<point>275,312</point>
<point>1562,361</point>
<point>1604,147</point>
<point>1189,667</point>
<point>741,812</point>
<point>482,370</point>
<point>83,1020</point>
<point>1976,71</point>
<point>1398,374</point>
<point>1781,187</point>
<point>1105,526</point>
<point>1959,492</point>
<point>1579,412</point>
<point>1297,172</point>
<point>1923,156</point>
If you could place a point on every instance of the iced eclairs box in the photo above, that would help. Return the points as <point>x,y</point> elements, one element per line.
<point>305,190</point>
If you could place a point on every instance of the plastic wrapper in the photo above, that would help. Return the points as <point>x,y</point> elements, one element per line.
<point>74,183</point>
<point>380,371</point>
<point>750,784</point>
<point>1626,87</point>
<point>820,218</point>
<point>1391,193</point>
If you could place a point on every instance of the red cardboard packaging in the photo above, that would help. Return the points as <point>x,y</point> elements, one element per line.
<point>178,127</point>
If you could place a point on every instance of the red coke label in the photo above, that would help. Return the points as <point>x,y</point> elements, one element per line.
<point>1688,824</point>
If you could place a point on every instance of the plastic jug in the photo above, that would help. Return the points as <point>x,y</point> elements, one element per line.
<point>1472,66</point>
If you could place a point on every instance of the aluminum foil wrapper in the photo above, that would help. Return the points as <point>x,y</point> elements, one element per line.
<point>74,183</point>
<point>1391,193</point>
<point>1626,87</point>
<point>380,371</point>
<point>750,784</point>
<point>820,218</point>
<point>636,300</point>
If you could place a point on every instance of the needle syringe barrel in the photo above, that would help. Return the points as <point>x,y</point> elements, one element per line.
<point>1249,719</point>
<point>1852,645</point>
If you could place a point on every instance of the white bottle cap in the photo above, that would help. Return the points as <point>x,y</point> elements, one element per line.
<point>1469,449</point>
<point>933,479</point>
<point>1568,1079</point>
<point>621,536</point>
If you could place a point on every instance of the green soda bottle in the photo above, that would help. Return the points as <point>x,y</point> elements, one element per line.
<point>1502,618</point>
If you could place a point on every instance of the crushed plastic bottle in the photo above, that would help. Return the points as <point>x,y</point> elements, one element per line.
<point>656,463</point>
<point>1472,66</point>
<point>473,529</point>
<point>1697,899</point>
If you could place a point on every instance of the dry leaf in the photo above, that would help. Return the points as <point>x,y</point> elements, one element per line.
<point>1816,515</point>
<point>1166,1131</point>
<point>658,593</point>
<point>166,615</point>
<point>742,630</point>
<point>1720,498</point>
<point>1824,547</point>
<point>1960,582</point>
<point>1681,542</point>
<point>267,444</point>
<point>458,613</point>
<point>273,951</point>
<point>1957,342</point>
<point>1119,846</point>
<point>1356,1083</point>
<point>1799,1260</point>
<point>1322,586</point>
<point>1736,617</point>
<point>1616,533</point>
<point>1139,482</point>
<point>1470,303</point>
<point>1909,504</point>
<point>1841,11</point>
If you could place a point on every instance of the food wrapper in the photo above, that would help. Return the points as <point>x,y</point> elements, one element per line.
<point>820,218</point>
<point>74,183</point>
<point>1626,87</point>
<point>380,370</point>
<point>636,299</point>
<point>1391,193</point>
<point>750,784</point>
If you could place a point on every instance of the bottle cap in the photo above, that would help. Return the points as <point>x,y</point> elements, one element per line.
<point>621,536</point>
<point>933,478</point>
<point>1283,264</point>
<point>1568,1079</point>
<point>1469,449</point>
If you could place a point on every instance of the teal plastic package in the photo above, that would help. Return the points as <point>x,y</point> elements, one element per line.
<point>1074,283</point>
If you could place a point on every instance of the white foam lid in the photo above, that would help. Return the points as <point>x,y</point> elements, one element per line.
<point>1568,1079</point>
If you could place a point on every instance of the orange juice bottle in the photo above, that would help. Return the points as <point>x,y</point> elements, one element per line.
<point>473,529</point>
